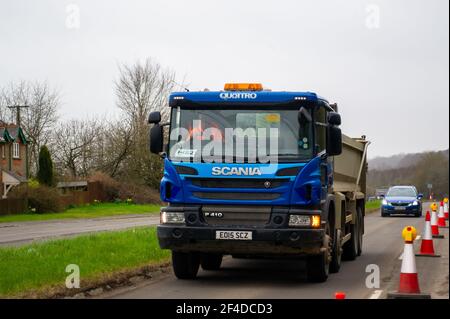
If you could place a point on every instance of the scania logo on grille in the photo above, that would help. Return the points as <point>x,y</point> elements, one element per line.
<point>213,214</point>
<point>248,171</point>
<point>267,184</point>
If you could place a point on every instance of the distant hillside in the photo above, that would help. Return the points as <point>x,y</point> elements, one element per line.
<point>399,160</point>
<point>411,169</point>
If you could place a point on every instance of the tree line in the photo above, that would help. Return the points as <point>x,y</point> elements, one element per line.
<point>431,168</point>
<point>117,146</point>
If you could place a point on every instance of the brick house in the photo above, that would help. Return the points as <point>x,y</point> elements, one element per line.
<point>13,157</point>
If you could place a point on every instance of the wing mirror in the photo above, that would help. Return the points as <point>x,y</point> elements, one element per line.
<point>154,118</point>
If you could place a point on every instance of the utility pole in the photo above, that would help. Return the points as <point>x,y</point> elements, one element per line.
<point>17,107</point>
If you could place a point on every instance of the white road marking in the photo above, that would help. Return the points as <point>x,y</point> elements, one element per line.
<point>376,294</point>
<point>401,257</point>
<point>418,237</point>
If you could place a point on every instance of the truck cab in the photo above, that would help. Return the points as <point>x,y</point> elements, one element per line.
<point>251,173</point>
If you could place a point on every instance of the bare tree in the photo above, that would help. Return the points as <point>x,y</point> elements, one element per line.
<point>141,89</point>
<point>73,146</point>
<point>38,119</point>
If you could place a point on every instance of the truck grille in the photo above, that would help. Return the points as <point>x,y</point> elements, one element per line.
<point>236,215</point>
<point>237,183</point>
<point>237,196</point>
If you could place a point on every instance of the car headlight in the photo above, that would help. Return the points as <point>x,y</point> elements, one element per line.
<point>415,203</point>
<point>304,220</point>
<point>172,218</point>
<point>384,202</point>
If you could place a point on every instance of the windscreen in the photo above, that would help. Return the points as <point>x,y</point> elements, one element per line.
<point>401,192</point>
<point>239,135</point>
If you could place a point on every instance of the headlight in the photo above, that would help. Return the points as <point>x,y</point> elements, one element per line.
<point>415,203</point>
<point>384,202</point>
<point>304,220</point>
<point>172,218</point>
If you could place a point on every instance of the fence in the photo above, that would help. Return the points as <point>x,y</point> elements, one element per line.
<point>93,191</point>
<point>13,206</point>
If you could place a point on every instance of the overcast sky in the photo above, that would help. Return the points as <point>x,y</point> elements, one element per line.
<point>384,62</point>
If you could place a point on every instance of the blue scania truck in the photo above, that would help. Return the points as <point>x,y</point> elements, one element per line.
<point>306,202</point>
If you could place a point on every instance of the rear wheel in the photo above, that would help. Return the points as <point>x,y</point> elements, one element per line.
<point>211,261</point>
<point>351,246</point>
<point>185,265</point>
<point>336,252</point>
<point>360,230</point>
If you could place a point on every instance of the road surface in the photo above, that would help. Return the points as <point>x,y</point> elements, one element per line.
<point>241,278</point>
<point>17,233</point>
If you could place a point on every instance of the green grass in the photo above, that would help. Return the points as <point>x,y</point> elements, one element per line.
<point>87,211</point>
<point>43,265</point>
<point>373,205</point>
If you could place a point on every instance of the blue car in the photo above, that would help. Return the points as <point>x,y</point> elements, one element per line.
<point>402,200</point>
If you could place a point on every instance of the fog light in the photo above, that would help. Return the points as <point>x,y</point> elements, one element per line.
<point>172,218</point>
<point>299,220</point>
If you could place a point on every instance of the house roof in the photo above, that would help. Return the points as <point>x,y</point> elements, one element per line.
<point>14,175</point>
<point>11,132</point>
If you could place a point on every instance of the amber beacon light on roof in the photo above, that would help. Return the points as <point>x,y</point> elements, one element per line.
<point>243,87</point>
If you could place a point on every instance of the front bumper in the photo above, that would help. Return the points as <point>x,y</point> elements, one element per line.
<point>408,210</point>
<point>264,241</point>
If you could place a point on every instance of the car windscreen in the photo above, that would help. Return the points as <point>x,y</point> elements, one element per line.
<point>401,192</point>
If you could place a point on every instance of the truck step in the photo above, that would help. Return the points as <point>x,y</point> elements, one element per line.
<point>346,238</point>
<point>348,218</point>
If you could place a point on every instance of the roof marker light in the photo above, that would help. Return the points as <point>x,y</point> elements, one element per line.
<point>243,87</point>
<point>178,98</point>
<point>301,98</point>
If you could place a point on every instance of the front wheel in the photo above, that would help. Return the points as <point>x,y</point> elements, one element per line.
<point>211,261</point>
<point>185,265</point>
<point>317,268</point>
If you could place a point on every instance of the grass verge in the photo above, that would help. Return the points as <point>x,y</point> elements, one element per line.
<point>373,205</point>
<point>86,211</point>
<point>29,270</point>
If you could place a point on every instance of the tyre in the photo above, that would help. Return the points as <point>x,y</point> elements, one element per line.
<point>351,246</point>
<point>336,252</point>
<point>211,261</point>
<point>185,265</point>
<point>360,230</point>
<point>317,268</point>
<point>419,214</point>
<point>383,214</point>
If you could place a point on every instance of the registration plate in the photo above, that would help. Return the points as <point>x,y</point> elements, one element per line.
<point>400,208</point>
<point>233,235</point>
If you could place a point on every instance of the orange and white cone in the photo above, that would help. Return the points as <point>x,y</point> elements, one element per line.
<point>446,208</point>
<point>434,222</point>
<point>427,247</point>
<point>441,216</point>
<point>409,279</point>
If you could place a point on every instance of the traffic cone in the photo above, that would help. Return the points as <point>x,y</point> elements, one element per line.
<point>434,222</point>
<point>441,216</point>
<point>446,208</point>
<point>427,248</point>
<point>409,279</point>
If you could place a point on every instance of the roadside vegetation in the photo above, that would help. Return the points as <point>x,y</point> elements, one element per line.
<point>373,205</point>
<point>87,211</point>
<point>42,266</point>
